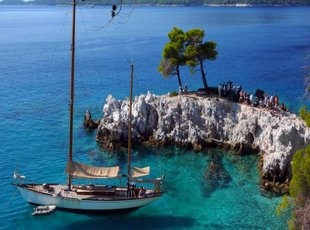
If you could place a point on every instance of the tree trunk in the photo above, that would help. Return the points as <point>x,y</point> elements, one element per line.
<point>179,77</point>
<point>203,75</point>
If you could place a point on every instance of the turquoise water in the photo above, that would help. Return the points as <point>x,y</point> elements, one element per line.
<point>189,203</point>
<point>258,47</point>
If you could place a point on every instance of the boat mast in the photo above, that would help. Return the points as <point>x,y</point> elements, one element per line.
<point>129,123</point>
<point>70,158</point>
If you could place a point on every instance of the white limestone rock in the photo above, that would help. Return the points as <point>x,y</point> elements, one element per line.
<point>200,121</point>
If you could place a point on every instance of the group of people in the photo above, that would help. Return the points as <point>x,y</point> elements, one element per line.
<point>229,90</point>
<point>183,91</point>
<point>133,191</point>
<point>235,93</point>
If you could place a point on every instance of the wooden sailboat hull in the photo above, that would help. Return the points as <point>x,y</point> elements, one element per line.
<point>69,200</point>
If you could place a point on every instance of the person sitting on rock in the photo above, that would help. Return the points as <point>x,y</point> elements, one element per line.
<point>283,107</point>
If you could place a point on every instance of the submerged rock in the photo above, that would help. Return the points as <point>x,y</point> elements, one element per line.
<point>215,177</point>
<point>88,122</point>
<point>199,122</point>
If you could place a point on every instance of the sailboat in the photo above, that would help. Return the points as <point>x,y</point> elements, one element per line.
<point>92,197</point>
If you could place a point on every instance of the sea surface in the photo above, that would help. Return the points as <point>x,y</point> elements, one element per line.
<point>259,47</point>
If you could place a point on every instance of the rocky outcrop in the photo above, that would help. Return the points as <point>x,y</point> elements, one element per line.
<point>89,123</point>
<point>199,122</point>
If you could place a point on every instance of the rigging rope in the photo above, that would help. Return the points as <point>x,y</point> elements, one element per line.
<point>116,14</point>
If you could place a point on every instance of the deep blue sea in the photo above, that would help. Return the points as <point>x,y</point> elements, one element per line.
<point>259,47</point>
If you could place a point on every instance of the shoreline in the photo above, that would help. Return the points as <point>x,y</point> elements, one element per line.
<point>199,122</point>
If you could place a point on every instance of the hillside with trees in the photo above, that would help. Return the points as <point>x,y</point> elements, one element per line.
<point>166,2</point>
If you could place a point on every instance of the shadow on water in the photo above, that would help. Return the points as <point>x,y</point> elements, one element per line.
<point>235,226</point>
<point>126,221</point>
<point>215,176</point>
<point>93,213</point>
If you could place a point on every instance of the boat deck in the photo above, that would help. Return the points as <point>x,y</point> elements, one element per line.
<point>92,192</point>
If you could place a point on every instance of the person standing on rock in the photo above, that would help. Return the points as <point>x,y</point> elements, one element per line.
<point>185,89</point>
<point>180,91</point>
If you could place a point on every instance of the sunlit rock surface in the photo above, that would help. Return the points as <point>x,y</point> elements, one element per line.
<point>200,122</point>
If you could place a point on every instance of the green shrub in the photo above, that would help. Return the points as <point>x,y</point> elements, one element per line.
<point>173,94</point>
<point>300,183</point>
<point>300,189</point>
<point>305,115</point>
<point>283,206</point>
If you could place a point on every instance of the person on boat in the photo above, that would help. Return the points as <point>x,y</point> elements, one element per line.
<point>131,187</point>
<point>142,192</point>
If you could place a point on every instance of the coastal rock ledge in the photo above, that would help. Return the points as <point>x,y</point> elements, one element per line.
<point>199,122</point>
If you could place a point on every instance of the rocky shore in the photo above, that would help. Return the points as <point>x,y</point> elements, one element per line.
<point>203,121</point>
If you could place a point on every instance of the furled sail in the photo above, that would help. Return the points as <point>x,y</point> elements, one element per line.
<point>137,172</point>
<point>85,171</point>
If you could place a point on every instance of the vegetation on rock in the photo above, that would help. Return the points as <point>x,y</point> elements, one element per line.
<point>197,52</point>
<point>186,48</point>
<point>305,115</point>
<point>173,55</point>
<point>299,185</point>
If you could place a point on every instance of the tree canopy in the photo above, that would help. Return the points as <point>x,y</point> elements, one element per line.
<point>173,55</point>
<point>198,51</point>
<point>186,48</point>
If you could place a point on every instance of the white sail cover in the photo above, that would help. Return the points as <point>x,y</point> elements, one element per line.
<point>85,171</point>
<point>137,172</point>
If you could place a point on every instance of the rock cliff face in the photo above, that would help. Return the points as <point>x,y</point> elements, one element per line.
<point>199,122</point>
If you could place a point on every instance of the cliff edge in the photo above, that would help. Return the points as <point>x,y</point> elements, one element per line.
<point>198,122</point>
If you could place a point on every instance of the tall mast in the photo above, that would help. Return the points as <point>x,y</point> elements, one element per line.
<point>129,122</point>
<point>72,87</point>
